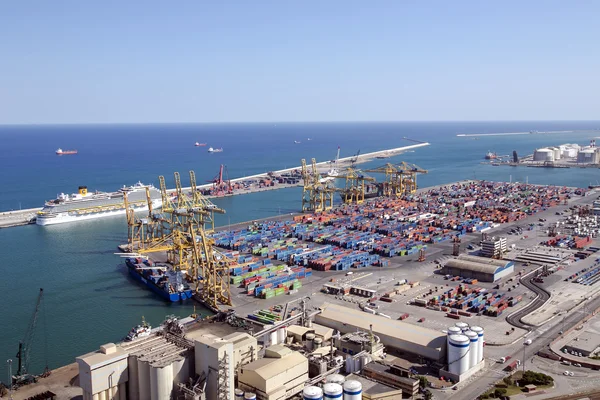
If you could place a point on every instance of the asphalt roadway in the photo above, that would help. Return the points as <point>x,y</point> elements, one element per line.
<point>542,296</point>
<point>541,339</point>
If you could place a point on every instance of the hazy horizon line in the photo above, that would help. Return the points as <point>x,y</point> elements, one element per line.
<point>287,122</point>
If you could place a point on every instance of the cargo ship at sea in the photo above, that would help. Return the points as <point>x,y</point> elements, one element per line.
<point>61,152</point>
<point>161,279</point>
<point>83,205</point>
<point>491,156</point>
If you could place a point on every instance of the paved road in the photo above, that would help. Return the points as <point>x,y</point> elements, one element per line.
<point>542,297</point>
<point>541,338</point>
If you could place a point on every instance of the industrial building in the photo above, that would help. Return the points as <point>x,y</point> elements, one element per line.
<point>494,248</point>
<point>586,343</point>
<point>279,375</point>
<point>543,155</point>
<point>398,335</point>
<point>480,268</point>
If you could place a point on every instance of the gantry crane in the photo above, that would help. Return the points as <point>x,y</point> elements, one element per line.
<point>317,191</point>
<point>214,268</point>
<point>409,176</point>
<point>392,186</point>
<point>354,190</point>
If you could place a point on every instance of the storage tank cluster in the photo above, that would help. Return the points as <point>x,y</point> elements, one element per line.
<point>334,388</point>
<point>465,347</point>
<point>278,336</point>
<point>239,394</point>
<point>149,379</point>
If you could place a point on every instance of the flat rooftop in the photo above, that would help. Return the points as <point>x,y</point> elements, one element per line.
<point>587,340</point>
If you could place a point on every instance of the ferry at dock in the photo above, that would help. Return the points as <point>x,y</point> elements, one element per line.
<point>83,205</point>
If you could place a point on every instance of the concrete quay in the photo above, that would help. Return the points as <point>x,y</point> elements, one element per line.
<point>24,217</point>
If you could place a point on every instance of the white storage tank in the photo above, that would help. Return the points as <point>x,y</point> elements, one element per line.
<point>452,330</point>
<point>586,156</point>
<point>335,378</point>
<point>557,152</point>
<point>238,394</point>
<point>312,393</point>
<point>458,360</point>
<point>479,331</point>
<point>161,382</point>
<point>352,390</point>
<point>249,396</point>
<point>310,337</point>
<point>462,325</point>
<point>332,391</point>
<point>473,348</point>
<point>543,155</point>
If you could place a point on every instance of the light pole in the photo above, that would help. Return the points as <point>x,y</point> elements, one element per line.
<point>524,356</point>
<point>9,362</point>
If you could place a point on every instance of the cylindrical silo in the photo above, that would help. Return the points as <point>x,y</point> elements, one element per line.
<point>332,391</point>
<point>310,337</point>
<point>349,364</point>
<point>273,336</point>
<point>462,325</point>
<point>364,360</point>
<point>473,348</point>
<point>318,342</point>
<point>143,379</point>
<point>249,396</point>
<point>179,374</point>
<point>161,382</point>
<point>281,335</point>
<point>352,390</point>
<point>133,387</point>
<point>312,393</point>
<point>335,378</point>
<point>479,331</point>
<point>238,394</point>
<point>452,330</point>
<point>458,360</point>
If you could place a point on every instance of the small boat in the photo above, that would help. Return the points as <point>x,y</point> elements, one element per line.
<point>61,152</point>
<point>139,331</point>
<point>309,139</point>
<point>211,150</point>
<point>596,186</point>
<point>296,141</point>
<point>199,144</point>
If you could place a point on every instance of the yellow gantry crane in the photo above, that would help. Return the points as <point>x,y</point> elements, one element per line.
<point>181,230</point>
<point>317,191</point>
<point>409,174</point>
<point>354,191</point>
<point>392,186</point>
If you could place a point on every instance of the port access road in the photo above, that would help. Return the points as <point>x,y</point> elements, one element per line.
<point>23,217</point>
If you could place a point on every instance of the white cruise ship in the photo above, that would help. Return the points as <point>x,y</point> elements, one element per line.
<point>82,205</point>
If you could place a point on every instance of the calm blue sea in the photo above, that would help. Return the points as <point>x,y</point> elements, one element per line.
<point>89,298</point>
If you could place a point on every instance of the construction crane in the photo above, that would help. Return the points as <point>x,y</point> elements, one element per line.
<point>23,377</point>
<point>354,159</point>
<point>409,176</point>
<point>219,184</point>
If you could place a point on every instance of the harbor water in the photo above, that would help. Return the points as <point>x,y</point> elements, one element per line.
<point>89,299</point>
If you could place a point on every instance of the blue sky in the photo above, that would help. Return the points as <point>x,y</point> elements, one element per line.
<point>245,61</point>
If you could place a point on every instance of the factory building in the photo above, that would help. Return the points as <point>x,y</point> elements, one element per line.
<point>218,359</point>
<point>586,343</point>
<point>395,334</point>
<point>494,247</point>
<point>480,268</point>
<point>279,375</point>
<point>96,367</point>
<point>354,342</point>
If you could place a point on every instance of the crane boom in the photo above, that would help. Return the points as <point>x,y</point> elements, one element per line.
<point>25,344</point>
